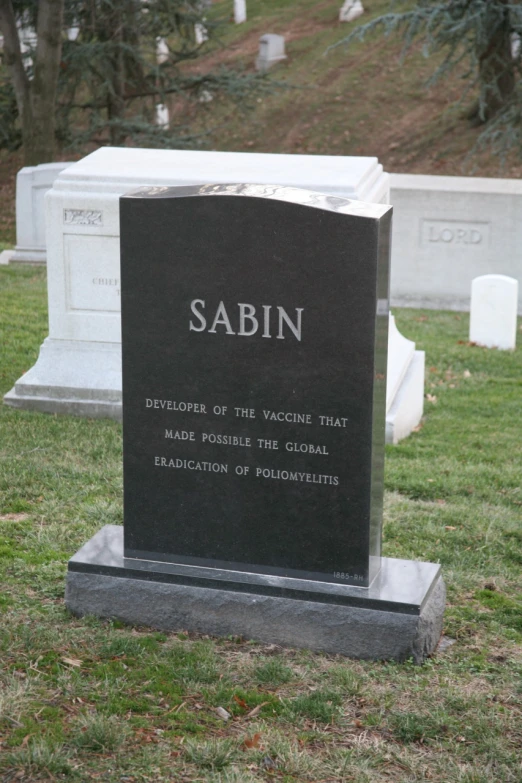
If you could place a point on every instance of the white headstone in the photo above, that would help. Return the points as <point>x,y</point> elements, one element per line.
<point>493,318</point>
<point>162,50</point>
<point>162,115</point>
<point>351,9</point>
<point>32,183</point>
<point>200,33</point>
<point>240,11</point>
<point>271,51</point>
<point>28,41</point>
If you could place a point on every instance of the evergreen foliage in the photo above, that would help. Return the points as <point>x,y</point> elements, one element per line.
<point>111,78</point>
<point>481,41</point>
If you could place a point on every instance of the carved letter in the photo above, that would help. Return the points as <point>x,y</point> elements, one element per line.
<point>221,318</point>
<point>266,331</point>
<point>243,315</point>
<point>193,304</point>
<point>283,316</point>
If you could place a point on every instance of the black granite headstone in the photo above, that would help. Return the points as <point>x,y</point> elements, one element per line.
<point>255,324</point>
<point>254,333</point>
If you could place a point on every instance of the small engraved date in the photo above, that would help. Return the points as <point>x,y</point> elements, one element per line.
<point>346,575</point>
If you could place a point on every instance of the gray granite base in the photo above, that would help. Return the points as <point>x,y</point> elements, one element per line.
<point>389,620</point>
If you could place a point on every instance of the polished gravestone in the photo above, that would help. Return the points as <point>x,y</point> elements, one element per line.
<point>254,382</point>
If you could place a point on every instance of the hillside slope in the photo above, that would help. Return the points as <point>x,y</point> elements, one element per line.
<point>361,100</point>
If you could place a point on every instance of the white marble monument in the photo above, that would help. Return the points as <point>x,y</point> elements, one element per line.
<point>79,367</point>
<point>493,317</point>
<point>32,183</point>
<point>350,10</point>
<point>404,385</point>
<point>449,230</point>
<point>271,51</point>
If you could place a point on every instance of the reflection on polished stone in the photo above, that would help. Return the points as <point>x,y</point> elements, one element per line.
<point>401,586</point>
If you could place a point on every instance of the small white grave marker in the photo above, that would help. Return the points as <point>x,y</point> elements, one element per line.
<point>271,50</point>
<point>493,319</point>
<point>162,50</point>
<point>162,115</point>
<point>351,9</point>
<point>200,33</point>
<point>240,11</point>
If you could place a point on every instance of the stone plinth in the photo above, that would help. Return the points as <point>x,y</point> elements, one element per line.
<point>398,617</point>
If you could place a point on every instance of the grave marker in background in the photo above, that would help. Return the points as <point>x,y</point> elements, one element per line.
<point>200,33</point>
<point>240,11</point>
<point>32,183</point>
<point>254,386</point>
<point>271,51</point>
<point>162,115</point>
<point>350,10</point>
<point>162,50</point>
<point>493,317</point>
<point>449,230</point>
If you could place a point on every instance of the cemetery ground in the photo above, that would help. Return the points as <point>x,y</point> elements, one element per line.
<point>364,99</point>
<point>83,699</point>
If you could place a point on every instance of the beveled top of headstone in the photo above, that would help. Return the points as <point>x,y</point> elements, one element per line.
<point>290,195</point>
<point>254,335</point>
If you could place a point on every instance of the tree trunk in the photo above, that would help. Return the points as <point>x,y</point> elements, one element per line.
<point>40,141</point>
<point>36,99</point>
<point>116,100</point>
<point>14,62</point>
<point>496,74</point>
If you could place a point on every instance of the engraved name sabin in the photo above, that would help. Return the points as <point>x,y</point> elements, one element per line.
<point>246,320</point>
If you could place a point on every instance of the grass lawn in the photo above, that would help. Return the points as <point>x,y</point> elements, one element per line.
<point>86,700</point>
